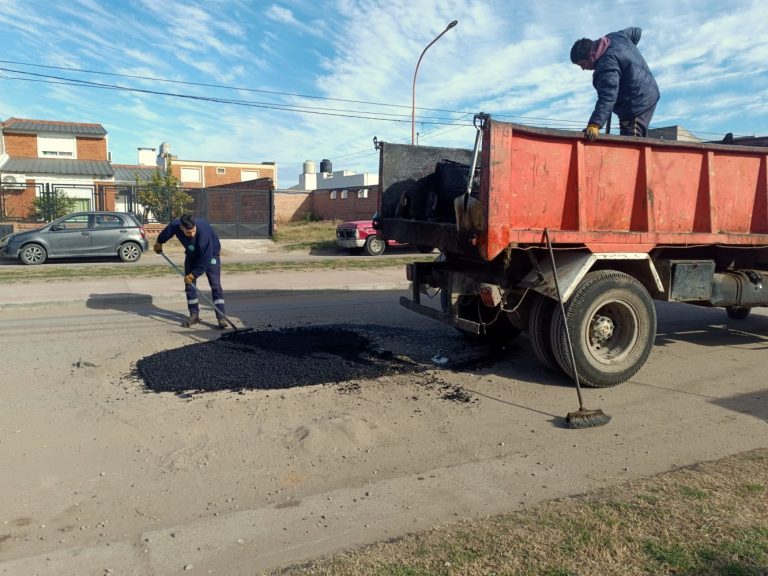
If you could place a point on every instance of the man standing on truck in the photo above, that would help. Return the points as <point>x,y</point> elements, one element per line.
<point>623,81</point>
<point>202,255</point>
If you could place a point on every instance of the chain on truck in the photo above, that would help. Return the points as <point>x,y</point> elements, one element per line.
<point>611,225</point>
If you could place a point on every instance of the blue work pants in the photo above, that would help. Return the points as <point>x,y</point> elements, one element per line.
<point>213,274</point>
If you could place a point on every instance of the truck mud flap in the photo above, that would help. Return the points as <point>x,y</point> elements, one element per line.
<point>460,323</point>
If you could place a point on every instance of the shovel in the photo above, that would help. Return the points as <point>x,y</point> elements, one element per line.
<point>468,210</point>
<point>209,301</point>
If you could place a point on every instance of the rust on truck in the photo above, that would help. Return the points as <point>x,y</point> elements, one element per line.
<point>631,220</point>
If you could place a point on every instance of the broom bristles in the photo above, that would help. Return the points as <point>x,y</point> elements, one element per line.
<point>587,418</point>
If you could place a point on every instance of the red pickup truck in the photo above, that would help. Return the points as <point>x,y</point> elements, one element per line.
<point>361,235</point>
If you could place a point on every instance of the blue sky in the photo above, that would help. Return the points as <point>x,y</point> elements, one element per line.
<point>307,80</point>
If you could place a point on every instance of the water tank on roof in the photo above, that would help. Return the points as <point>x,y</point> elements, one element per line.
<point>165,149</point>
<point>326,166</point>
<point>309,167</point>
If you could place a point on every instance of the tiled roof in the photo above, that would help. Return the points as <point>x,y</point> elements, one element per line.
<point>96,168</point>
<point>129,173</point>
<point>26,126</point>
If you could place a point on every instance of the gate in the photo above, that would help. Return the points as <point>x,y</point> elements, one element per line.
<point>235,211</point>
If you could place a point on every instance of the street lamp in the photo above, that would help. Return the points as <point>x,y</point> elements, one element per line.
<point>413,102</point>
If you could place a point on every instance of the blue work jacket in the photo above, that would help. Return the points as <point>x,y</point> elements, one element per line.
<point>624,83</point>
<point>200,252</point>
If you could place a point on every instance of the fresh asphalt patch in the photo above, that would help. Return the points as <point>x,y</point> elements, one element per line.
<point>307,356</point>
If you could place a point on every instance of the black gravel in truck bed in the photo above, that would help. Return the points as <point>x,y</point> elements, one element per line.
<point>271,359</point>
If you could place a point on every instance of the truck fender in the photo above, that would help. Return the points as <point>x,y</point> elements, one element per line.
<point>573,265</point>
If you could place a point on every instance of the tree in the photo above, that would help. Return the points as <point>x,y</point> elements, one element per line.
<point>162,197</point>
<point>51,205</point>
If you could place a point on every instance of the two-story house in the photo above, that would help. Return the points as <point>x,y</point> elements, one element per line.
<point>42,156</point>
<point>208,173</point>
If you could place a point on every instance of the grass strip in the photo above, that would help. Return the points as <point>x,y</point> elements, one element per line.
<point>20,275</point>
<point>710,519</point>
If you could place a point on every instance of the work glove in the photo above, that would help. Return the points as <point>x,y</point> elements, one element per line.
<point>158,248</point>
<point>591,132</point>
<point>189,278</point>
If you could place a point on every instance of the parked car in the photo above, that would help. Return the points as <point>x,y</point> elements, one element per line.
<point>361,235</point>
<point>79,235</point>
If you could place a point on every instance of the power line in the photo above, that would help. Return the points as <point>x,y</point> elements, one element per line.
<point>359,114</point>
<point>522,119</point>
<point>224,86</point>
<point>437,121</point>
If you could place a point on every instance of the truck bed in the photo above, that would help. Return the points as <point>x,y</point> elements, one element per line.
<point>618,194</point>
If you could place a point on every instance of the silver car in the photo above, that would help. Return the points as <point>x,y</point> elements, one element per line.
<point>79,235</point>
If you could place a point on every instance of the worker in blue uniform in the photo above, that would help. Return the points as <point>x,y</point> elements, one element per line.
<point>624,82</point>
<point>202,255</point>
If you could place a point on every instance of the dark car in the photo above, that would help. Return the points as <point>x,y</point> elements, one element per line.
<point>79,235</point>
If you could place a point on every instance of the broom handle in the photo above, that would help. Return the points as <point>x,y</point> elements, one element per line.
<point>200,292</point>
<point>475,153</point>
<point>565,320</point>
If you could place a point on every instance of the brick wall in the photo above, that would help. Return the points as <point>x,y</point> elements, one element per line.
<point>231,174</point>
<point>91,148</point>
<point>349,208</point>
<point>209,175</point>
<point>292,206</point>
<point>19,202</point>
<point>109,195</point>
<point>23,145</point>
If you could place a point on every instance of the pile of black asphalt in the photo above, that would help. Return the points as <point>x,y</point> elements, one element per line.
<point>272,359</point>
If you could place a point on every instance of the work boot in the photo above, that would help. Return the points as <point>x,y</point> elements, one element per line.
<point>193,319</point>
<point>223,324</point>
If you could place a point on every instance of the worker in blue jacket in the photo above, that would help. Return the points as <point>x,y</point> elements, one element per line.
<point>202,251</point>
<point>623,81</point>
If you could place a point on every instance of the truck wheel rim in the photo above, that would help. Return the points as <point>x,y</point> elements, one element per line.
<point>612,332</point>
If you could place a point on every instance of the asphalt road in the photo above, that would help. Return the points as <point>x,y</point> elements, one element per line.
<point>102,473</point>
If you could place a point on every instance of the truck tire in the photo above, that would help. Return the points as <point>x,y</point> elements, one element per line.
<point>375,246</point>
<point>737,312</point>
<point>612,323</point>
<point>539,323</point>
<point>498,330</point>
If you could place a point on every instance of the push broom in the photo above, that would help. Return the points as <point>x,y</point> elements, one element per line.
<point>581,418</point>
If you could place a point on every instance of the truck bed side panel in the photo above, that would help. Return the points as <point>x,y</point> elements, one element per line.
<point>618,194</point>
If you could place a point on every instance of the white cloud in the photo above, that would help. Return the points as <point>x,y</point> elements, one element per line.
<point>506,58</point>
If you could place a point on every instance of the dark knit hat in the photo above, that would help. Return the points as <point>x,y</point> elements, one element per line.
<point>580,50</point>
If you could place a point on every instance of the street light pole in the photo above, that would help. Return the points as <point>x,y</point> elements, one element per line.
<point>413,101</point>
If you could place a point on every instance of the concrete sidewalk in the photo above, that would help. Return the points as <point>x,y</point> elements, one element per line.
<point>171,288</point>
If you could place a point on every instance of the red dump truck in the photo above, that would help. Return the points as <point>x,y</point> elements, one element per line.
<point>610,226</point>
